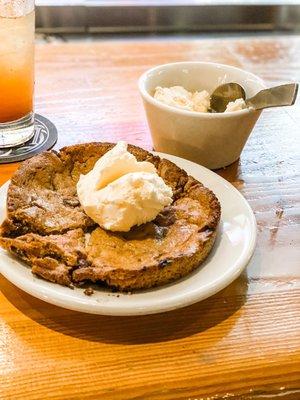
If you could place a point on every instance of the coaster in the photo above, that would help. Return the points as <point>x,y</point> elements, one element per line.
<point>45,137</point>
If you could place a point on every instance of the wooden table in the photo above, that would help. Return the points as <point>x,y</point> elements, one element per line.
<point>244,342</point>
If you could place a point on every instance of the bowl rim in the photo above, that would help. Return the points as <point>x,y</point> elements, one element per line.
<point>230,114</point>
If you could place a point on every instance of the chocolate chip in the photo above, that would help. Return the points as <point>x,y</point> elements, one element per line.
<point>18,252</point>
<point>89,291</point>
<point>71,202</point>
<point>149,230</point>
<point>166,217</point>
<point>164,263</point>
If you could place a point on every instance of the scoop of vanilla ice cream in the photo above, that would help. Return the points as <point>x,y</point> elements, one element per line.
<point>114,164</point>
<point>176,96</point>
<point>201,101</point>
<point>238,104</point>
<point>120,192</point>
<point>132,199</point>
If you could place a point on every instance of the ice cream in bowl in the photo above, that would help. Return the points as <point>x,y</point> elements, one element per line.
<point>176,98</point>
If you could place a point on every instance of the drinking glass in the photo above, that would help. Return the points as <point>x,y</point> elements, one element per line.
<point>17,27</point>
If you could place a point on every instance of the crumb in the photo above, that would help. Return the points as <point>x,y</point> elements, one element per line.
<point>89,291</point>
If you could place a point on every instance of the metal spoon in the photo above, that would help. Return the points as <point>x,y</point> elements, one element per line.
<point>283,95</point>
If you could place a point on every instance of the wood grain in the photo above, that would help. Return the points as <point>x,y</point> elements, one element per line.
<point>243,343</point>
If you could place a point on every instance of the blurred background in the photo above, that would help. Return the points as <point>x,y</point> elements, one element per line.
<point>167,16</point>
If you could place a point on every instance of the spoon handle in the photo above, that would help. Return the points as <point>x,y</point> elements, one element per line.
<point>283,95</point>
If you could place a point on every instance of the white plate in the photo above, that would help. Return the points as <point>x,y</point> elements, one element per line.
<point>232,251</point>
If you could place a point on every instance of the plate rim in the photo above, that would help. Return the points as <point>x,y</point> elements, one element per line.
<point>180,301</point>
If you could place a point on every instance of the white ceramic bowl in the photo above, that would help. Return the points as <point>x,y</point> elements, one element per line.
<point>212,140</point>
